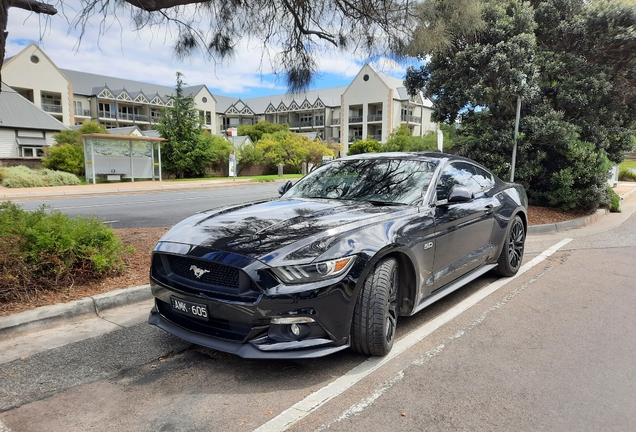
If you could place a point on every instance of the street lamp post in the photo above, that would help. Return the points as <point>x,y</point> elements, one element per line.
<point>514,148</point>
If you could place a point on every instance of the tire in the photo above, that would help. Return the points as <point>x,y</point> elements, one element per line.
<point>511,255</point>
<point>376,311</point>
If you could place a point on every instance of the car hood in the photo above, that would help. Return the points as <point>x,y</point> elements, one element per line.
<point>296,229</point>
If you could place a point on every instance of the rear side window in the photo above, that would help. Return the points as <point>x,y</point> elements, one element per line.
<point>474,178</point>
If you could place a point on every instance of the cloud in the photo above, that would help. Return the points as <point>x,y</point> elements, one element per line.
<point>111,46</point>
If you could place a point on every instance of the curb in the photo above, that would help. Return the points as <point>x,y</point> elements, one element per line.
<point>53,314</point>
<point>568,225</point>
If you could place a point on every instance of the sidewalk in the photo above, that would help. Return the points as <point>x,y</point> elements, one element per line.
<point>119,187</point>
<point>96,306</point>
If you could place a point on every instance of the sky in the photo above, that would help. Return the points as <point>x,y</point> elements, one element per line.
<point>145,55</point>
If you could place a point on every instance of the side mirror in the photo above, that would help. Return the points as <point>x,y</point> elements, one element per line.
<point>459,194</point>
<point>284,188</point>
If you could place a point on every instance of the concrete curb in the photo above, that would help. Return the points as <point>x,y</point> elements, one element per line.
<point>568,225</point>
<point>54,314</point>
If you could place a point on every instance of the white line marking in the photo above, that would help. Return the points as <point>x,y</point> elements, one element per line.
<point>357,408</point>
<point>303,408</point>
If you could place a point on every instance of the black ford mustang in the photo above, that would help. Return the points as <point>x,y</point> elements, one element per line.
<point>338,257</point>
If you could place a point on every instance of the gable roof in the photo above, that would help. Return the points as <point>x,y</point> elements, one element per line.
<point>89,84</point>
<point>16,112</point>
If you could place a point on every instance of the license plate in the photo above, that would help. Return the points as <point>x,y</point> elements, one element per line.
<point>195,310</point>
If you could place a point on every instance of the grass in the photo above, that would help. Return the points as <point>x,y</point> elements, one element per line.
<point>628,163</point>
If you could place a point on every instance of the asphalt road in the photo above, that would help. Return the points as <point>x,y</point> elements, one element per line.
<point>551,350</point>
<point>152,209</point>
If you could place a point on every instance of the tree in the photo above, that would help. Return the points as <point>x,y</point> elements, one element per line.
<point>571,62</point>
<point>291,150</point>
<point>219,148</point>
<point>401,140</point>
<point>68,154</point>
<point>364,146</point>
<point>255,132</point>
<point>185,154</point>
<point>296,30</point>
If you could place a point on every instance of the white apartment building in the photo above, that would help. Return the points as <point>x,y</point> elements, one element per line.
<point>371,107</point>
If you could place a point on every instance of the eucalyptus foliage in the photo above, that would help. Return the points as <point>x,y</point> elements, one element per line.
<point>572,64</point>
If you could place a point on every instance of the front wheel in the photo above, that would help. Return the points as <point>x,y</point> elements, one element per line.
<point>375,315</point>
<point>512,253</point>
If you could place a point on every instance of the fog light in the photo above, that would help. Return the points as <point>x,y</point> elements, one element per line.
<point>295,329</point>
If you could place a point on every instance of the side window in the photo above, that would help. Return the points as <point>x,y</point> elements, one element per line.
<point>484,179</point>
<point>463,174</point>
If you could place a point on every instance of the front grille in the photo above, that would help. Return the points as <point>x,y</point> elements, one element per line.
<point>216,281</point>
<point>211,273</point>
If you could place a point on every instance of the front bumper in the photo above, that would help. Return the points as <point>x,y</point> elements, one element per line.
<point>239,319</point>
<point>251,349</point>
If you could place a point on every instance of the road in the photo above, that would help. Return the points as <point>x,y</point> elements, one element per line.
<point>152,209</point>
<point>552,349</point>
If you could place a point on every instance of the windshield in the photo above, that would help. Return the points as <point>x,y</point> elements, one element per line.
<point>398,181</point>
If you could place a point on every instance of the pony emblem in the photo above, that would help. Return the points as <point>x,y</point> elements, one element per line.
<point>198,272</point>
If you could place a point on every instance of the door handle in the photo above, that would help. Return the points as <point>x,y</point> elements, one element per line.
<point>489,208</point>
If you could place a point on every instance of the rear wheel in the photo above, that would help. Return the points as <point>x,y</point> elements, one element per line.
<point>512,253</point>
<point>375,314</point>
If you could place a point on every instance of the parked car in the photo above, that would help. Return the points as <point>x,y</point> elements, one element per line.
<point>338,257</point>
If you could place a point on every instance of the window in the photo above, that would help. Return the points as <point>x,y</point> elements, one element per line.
<point>32,152</point>
<point>460,173</point>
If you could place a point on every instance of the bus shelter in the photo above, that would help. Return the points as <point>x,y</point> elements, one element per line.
<point>117,156</point>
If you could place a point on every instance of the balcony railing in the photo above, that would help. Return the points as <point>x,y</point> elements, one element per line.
<point>142,118</point>
<point>105,114</point>
<point>319,122</point>
<point>82,112</point>
<point>374,117</point>
<point>411,119</point>
<point>354,137</point>
<point>52,108</point>
<point>377,137</point>
<point>355,119</point>
<point>335,122</point>
<point>305,123</point>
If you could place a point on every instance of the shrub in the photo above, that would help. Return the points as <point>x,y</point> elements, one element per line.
<point>68,154</point>
<point>626,175</point>
<point>22,177</point>
<point>364,146</point>
<point>614,201</point>
<point>42,251</point>
<point>65,157</point>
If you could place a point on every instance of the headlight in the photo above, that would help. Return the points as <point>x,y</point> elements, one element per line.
<point>314,271</point>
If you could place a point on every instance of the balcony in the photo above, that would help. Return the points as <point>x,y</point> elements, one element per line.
<point>305,123</point>
<point>105,114</point>
<point>82,112</point>
<point>139,117</point>
<point>411,119</point>
<point>335,122</point>
<point>355,119</point>
<point>52,108</point>
<point>319,122</point>
<point>374,117</point>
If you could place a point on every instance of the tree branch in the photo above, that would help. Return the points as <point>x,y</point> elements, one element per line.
<point>155,5</point>
<point>33,6</point>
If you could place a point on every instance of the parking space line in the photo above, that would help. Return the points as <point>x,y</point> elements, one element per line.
<point>311,403</point>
